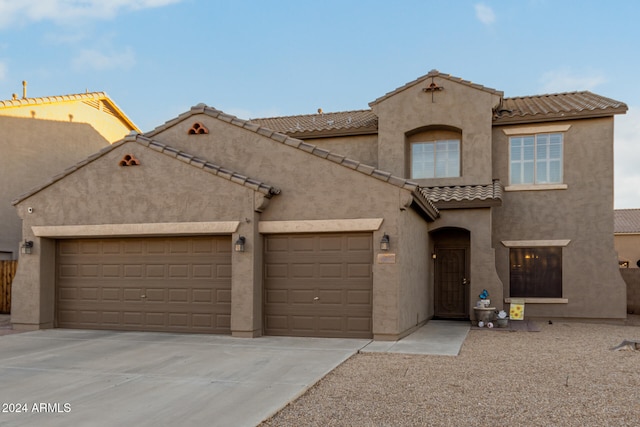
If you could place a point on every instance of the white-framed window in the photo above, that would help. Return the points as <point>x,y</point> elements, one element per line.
<point>435,159</point>
<point>536,159</point>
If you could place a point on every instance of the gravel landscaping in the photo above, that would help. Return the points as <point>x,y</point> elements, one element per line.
<point>564,375</point>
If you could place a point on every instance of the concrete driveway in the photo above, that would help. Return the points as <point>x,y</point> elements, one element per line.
<point>62,377</point>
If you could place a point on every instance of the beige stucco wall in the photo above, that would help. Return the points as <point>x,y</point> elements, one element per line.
<point>581,213</point>
<point>160,190</point>
<point>416,299</point>
<point>482,261</point>
<point>363,148</point>
<point>628,248</point>
<point>457,105</point>
<point>165,190</point>
<point>32,151</point>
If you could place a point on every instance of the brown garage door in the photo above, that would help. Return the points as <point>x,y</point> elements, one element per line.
<point>318,285</point>
<point>178,284</point>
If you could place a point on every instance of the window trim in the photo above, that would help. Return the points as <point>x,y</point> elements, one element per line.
<point>538,300</point>
<point>538,186</point>
<point>531,130</point>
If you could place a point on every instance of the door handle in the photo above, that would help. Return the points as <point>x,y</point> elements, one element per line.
<point>316,298</point>
<point>465,281</point>
<point>143,296</point>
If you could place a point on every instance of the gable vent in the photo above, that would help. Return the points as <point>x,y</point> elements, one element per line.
<point>129,160</point>
<point>198,129</point>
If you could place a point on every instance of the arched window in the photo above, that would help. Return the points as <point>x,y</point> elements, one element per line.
<point>434,152</point>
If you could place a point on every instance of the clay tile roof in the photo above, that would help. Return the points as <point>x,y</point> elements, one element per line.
<point>337,123</point>
<point>556,106</point>
<point>464,193</point>
<point>626,221</point>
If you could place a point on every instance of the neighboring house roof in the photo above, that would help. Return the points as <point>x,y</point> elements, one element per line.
<point>556,106</point>
<point>90,98</point>
<point>626,221</point>
<point>214,169</point>
<point>358,122</point>
<point>460,196</point>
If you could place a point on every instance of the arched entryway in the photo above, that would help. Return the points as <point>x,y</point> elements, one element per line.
<point>451,249</point>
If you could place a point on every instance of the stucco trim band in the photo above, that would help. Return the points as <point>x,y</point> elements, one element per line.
<point>536,187</point>
<point>143,229</point>
<point>320,226</point>
<point>540,300</point>
<point>534,243</point>
<point>527,130</point>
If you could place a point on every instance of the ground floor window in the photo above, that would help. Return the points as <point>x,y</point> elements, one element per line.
<point>536,272</point>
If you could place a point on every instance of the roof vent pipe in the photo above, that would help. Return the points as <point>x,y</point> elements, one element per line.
<point>24,89</point>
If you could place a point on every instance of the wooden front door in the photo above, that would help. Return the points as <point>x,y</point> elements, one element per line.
<point>451,283</point>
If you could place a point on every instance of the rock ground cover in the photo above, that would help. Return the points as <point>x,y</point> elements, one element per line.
<point>564,375</point>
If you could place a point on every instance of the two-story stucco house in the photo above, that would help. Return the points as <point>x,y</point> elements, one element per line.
<point>41,136</point>
<point>352,224</point>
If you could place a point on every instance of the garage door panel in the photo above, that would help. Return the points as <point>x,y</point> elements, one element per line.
<point>359,323</point>
<point>223,296</point>
<point>359,244</point>
<point>327,270</point>
<point>111,294</point>
<point>301,296</point>
<point>204,271</point>
<point>316,284</point>
<point>155,270</point>
<point>111,317</point>
<point>158,284</point>
<point>303,324</point>
<point>359,297</point>
<point>110,270</point>
<point>331,296</point>
<point>132,270</point>
<point>132,247</point>
<point>178,295</point>
<point>359,270</point>
<point>223,271</point>
<point>89,294</point>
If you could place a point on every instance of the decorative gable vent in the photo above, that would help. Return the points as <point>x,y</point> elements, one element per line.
<point>129,160</point>
<point>198,129</point>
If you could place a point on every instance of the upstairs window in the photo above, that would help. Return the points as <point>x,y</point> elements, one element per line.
<point>536,159</point>
<point>435,159</point>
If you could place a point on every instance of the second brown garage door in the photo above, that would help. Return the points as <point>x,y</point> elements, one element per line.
<point>178,284</point>
<point>318,285</point>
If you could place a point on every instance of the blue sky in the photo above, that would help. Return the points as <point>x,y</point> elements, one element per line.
<point>157,58</point>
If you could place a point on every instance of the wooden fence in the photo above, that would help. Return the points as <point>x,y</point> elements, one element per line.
<point>7,272</point>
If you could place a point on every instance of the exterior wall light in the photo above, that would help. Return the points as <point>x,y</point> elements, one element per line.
<point>239,246</point>
<point>384,242</point>
<point>27,247</point>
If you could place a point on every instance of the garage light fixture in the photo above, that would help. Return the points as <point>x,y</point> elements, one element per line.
<point>384,242</point>
<point>27,247</point>
<point>239,246</point>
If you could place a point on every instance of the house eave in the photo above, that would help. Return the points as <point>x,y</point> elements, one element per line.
<point>332,133</point>
<point>537,118</point>
<point>468,204</point>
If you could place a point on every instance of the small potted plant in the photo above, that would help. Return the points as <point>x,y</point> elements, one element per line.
<point>503,320</point>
